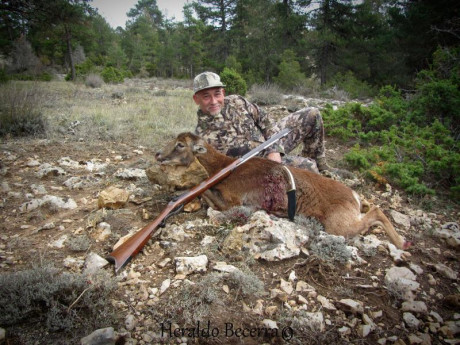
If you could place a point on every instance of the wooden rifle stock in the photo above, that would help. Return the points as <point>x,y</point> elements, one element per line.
<point>133,245</point>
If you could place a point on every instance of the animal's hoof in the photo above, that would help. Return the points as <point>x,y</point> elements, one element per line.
<point>408,244</point>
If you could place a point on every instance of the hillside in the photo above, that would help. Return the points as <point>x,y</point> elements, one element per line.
<point>53,234</point>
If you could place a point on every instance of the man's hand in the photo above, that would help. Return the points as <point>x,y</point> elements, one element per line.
<point>274,156</point>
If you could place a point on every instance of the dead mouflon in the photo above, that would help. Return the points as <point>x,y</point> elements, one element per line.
<point>263,184</point>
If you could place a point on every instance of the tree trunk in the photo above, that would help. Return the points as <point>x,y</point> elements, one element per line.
<point>68,38</point>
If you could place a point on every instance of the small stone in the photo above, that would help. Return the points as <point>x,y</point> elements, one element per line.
<point>349,305</point>
<point>326,303</point>
<point>269,324</point>
<point>105,336</point>
<point>286,286</point>
<point>410,320</point>
<point>113,198</point>
<point>271,310</point>
<point>130,322</point>
<point>344,331</point>
<point>446,271</point>
<point>188,265</point>
<point>165,285</point>
<point>364,330</point>
<point>418,307</point>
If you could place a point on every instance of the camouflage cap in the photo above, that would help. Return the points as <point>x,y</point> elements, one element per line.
<point>206,80</point>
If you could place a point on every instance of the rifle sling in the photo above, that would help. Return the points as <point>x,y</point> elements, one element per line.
<point>291,195</point>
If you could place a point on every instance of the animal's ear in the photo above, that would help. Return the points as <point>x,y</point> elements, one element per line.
<point>200,149</point>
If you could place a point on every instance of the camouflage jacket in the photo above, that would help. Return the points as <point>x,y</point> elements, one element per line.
<point>238,128</point>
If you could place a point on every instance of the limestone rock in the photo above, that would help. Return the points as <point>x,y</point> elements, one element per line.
<point>401,281</point>
<point>418,307</point>
<point>267,238</point>
<point>131,174</point>
<point>113,198</point>
<point>173,177</point>
<point>400,219</point>
<point>450,232</point>
<point>93,263</point>
<point>104,336</point>
<point>188,265</point>
<point>351,306</point>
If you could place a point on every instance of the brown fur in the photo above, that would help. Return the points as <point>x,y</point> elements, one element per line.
<point>262,183</point>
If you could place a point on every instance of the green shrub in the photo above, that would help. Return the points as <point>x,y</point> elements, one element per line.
<point>21,111</point>
<point>391,148</point>
<point>352,86</point>
<point>3,76</point>
<point>83,69</point>
<point>112,75</point>
<point>290,75</point>
<point>234,83</point>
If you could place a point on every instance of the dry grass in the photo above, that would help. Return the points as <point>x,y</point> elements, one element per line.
<point>136,112</point>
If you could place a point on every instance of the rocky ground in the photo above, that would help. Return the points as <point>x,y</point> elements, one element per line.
<point>212,278</point>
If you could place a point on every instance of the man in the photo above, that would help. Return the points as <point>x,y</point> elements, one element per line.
<point>234,126</point>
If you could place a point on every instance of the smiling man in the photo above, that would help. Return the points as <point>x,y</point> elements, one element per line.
<point>234,126</point>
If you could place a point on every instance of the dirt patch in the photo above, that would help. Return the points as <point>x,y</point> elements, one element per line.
<point>26,238</point>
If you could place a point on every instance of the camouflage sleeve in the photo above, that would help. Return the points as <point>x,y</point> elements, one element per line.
<point>265,125</point>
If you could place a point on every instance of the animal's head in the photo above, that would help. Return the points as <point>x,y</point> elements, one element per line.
<point>182,151</point>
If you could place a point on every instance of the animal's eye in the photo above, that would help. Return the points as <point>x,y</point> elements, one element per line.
<point>180,145</point>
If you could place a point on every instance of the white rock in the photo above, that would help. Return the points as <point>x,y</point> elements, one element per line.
<point>364,330</point>
<point>224,267</point>
<point>325,303</point>
<point>103,336</point>
<point>344,331</point>
<point>269,324</point>
<point>93,263</point>
<point>437,316</point>
<point>38,189</point>
<point>410,320</point>
<point>47,169</point>
<point>2,334</point>
<point>303,286</point>
<point>165,285</point>
<point>400,219</point>
<point>446,271</point>
<point>286,286</point>
<point>416,268</point>
<point>418,307</point>
<point>451,233</point>
<point>131,174</point>
<point>268,238</point>
<point>67,162</point>
<point>59,243</point>
<point>130,322</point>
<point>350,305</point>
<point>32,163</point>
<point>187,265</point>
<point>207,240</point>
<point>401,282</point>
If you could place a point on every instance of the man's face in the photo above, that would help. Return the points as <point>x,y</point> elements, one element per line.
<point>210,101</point>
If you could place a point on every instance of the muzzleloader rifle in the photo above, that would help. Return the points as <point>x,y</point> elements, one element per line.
<point>133,245</point>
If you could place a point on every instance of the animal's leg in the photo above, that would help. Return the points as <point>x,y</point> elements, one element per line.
<point>214,199</point>
<point>375,216</point>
